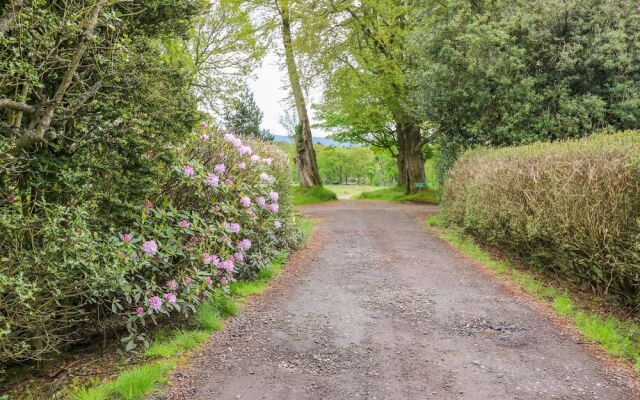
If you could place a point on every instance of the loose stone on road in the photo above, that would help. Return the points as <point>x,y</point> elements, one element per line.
<point>378,308</point>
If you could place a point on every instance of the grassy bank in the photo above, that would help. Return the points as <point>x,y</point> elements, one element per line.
<point>620,338</point>
<point>169,347</point>
<point>354,191</point>
<point>428,195</point>
<point>317,194</point>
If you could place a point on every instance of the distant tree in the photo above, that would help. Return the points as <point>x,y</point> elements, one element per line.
<point>243,116</point>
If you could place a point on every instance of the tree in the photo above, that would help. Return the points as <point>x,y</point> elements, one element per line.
<point>367,90</point>
<point>507,73</point>
<point>243,116</point>
<point>305,154</point>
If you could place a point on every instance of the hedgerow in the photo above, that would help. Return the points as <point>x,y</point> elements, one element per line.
<point>221,213</point>
<point>571,207</point>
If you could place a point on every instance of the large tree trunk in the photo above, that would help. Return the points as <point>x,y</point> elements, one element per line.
<point>305,155</point>
<point>410,157</point>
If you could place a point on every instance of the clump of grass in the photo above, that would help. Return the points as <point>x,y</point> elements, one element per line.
<point>619,338</point>
<point>134,384</point>
<point>178,344</point>
<point>316,194</point>
<point>428,195</point>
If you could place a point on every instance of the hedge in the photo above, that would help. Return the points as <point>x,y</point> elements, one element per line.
<point>222,212</point>
<point>571,207</point>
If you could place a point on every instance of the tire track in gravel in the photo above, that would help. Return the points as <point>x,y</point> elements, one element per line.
<point>378,308</point>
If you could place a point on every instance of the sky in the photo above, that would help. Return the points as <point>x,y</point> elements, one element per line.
<point>269,90</point>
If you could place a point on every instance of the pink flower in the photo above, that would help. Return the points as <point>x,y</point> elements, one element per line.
<point>237,142</point>
<point>187,281</point>
<point>188,171</point>
<point>208,280</point>
<point>150,247</point>
<point>172,285</point>
<point>261,201</point>
<point>220,168</point>
<point>232,227</point>
<point>212,180</point>
<point>223,281</point>
<point>12,198</point>
<point>229,137</point>
<point>170,297</point>
<point>245,201</point>
<point>274,196</point>
<point>204,137</point>
<point>148,203</point>
<point>204,126</point>
<point>266,177</point>
<point>273,207</point>
<point>226,265</point>
<point>242,165</point>
<point>155,302</point>
<point>255,158</point>
<point>277,224</point>
<point>243,150</point>
<point>197,239</point>
<point>125,237</point>
<point>210,259</point>
<point>267,161</point>
<point>140,310</point>
<point>238,256</point>
<point>228,181</point>
<point>184,224</point>
<point>244,244</point>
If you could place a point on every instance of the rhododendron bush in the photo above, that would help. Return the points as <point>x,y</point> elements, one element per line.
<point>222,213</point>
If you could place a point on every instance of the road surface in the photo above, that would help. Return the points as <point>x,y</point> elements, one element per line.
<point>377,307</point>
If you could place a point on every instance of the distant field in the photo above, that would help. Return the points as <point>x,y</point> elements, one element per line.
<point>351,190</point>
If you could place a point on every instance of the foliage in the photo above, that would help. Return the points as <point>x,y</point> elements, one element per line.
<point>243,117</point>
<point>167,349</point>
<point>503,72</point>
<point>618,337</point>
<point>221,213</point>
<point>355,164</point>
<point>318,194</point>
<point>428,195</point>
<point>524,200</point>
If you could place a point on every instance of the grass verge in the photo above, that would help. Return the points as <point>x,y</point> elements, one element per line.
<point>620,338</point>
<point>140,381</point>
<point>316,194</point>
<point>428,195</point>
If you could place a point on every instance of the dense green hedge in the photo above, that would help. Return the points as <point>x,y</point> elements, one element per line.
<point>572,207</point>
<point>221,212</point>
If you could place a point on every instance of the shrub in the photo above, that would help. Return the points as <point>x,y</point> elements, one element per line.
<point>222,212</point>
<point>572,207</point>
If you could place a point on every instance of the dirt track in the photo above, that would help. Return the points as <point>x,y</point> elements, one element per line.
<point>379,308</point>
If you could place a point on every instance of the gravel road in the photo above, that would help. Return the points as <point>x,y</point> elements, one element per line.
<point>377,307</point>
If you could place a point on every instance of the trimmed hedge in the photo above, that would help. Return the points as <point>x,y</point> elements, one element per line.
<point>572,207</point>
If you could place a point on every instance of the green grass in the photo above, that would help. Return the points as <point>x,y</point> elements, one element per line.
<point>316,194</point>
<point>428,195</point>
<point>351,190</point>
<point>619,338</point>
<point>133,384</point>
<point>138,382</point>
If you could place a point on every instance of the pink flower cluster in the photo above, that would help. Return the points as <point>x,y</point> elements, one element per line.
<point>244,244</point>
<point>150,247</point>
<point>232,227</point>
<point>245,201</point>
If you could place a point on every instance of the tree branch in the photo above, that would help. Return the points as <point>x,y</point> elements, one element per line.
<point>16,105</point>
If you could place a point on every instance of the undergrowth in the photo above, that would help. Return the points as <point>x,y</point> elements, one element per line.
<point>620,338</point>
